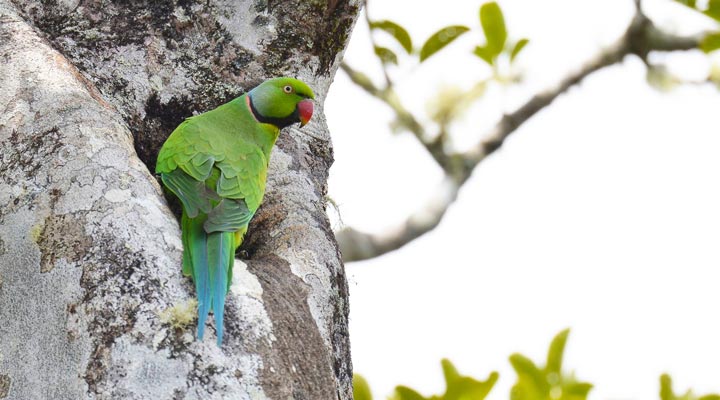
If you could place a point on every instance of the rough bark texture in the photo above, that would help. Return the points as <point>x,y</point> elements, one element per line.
<point>91,294</point>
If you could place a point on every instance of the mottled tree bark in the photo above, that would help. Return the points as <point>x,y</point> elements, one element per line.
<point>92,298</point>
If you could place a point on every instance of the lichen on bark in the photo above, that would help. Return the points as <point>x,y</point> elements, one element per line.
<point>4,385</point>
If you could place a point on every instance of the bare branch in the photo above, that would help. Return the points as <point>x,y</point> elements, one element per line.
<point>640,39</point>
<point>388,81</point>
<point>356,245</point>
<point>663,41</point>
<point>510,122</point>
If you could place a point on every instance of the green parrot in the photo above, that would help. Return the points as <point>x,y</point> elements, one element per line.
<point>216,164</point>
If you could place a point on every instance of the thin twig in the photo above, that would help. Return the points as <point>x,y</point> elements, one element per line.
<point>404,118</point>
<point>388,82</point>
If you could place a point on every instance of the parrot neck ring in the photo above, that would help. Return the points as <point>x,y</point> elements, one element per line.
<point>301,114</point>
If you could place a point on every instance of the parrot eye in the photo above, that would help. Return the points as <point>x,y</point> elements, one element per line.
<point>288,89</point>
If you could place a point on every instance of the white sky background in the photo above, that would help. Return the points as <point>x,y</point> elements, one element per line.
<point>601,213</point>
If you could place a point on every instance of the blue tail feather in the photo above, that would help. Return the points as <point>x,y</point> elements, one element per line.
<point>197,241</point>
<point>211,256</point>
<point>220,245</point>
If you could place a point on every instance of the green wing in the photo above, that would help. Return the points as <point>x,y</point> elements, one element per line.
<point>193,194</point>
<point>228,138</point>
<point>228,216</point>
<point>223,215</point>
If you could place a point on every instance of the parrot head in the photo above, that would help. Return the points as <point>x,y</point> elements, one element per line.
<point>282,102</point>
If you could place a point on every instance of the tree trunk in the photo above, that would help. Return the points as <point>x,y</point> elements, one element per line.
<point>92,300</point>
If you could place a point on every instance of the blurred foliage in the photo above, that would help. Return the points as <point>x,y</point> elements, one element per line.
<point>711,41</point>
<point>548,382</point>
<point>491,21</point>
<point>458,387</point>
<point>396,31</point>
<point>534,382</point>
<point>518,48</point>
<point>386,55</point>
<point>361,389</point>
<point>666,392</point>
<point>499,52</point>
<point>493,25</point>
<point>661,79</point>
<point>711,9</point>
<point>715,75</point>
<point>451,102</point>
<point>440,39</point>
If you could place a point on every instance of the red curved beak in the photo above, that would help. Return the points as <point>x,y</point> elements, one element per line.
<point>305,110</point>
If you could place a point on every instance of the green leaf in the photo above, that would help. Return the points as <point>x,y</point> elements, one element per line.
<point>361,389</point>
<point>484,53</point>
<point>396,31</point>
<point>405,393</point>
<point>464,387</point>
<point>549,382</point>
<point>467,388</point>
<point>528,373</point>
<point>493,24</point>
<point>555,353</point>
<point>713,10</point>
<point>517,48</point>
<point>440,39</point>
<point>577,390</point>
<point>386,55</point>
<point>666,392</point>
<point>710,42</point>
<point>450,372</point>
<point>659,78</point>
<point>689,3</point>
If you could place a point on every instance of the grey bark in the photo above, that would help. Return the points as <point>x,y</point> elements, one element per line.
<point>92,300</point>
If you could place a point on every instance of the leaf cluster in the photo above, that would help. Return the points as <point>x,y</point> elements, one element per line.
<point>534,382</point>
<point>666,392</point>
<point>491,21</point>
<point>547,382</point>
<point>458,387</point>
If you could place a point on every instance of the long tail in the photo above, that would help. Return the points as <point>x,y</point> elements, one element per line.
<point>208,258</point>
